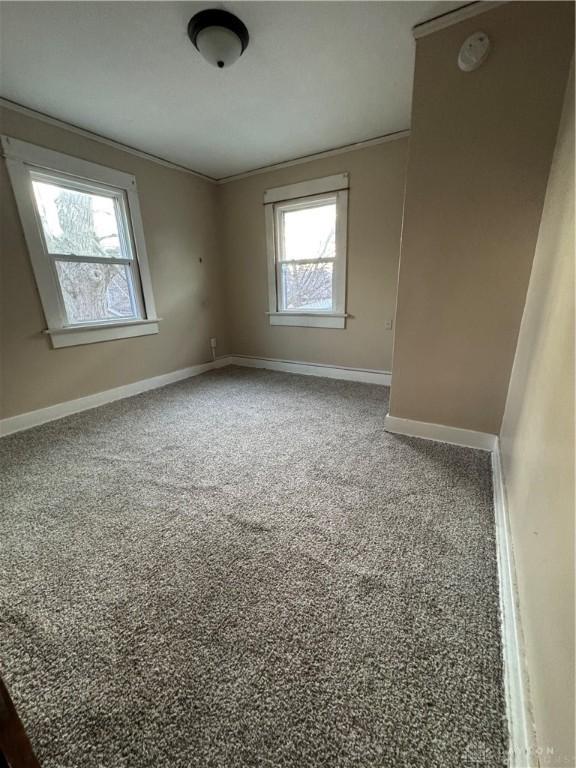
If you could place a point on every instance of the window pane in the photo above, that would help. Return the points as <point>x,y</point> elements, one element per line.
<point>306,286</point>
<point>96,291</point>
<point>310,233</point>
<point>78,223</point>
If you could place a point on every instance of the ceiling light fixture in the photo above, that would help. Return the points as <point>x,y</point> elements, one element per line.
<point>219,36</point>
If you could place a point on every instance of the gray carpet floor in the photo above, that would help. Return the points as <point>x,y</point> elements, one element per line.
<point>245,569</point>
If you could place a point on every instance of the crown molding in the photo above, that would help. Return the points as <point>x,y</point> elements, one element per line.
<point>454,17</point>
<point>42,116</point>
<point>317,156</point>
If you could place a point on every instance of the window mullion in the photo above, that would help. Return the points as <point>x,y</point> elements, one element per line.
<point>88,259</point>
<point>307,261</point>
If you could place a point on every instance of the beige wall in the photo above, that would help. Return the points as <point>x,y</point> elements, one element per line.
<point>179,217</point>
<point>537,443</point>
<point>375,213</point>
<point>480,152</point>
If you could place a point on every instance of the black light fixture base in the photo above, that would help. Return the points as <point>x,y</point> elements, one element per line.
<point>215,17</point>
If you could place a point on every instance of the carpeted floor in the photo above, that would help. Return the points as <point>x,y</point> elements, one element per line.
<point>245,569</point>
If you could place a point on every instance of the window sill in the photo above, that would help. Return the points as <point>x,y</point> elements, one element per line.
<point>309,319</point>
<point>73,336</point>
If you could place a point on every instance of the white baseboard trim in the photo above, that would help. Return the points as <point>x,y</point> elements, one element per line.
<point>51,413</point>
<point>364,375</point>
<point>523,746</point>
<point>441,433</point>
<point>523,751</point>
<point>23,421</point>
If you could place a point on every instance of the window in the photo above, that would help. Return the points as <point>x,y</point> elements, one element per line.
<point>84,232</point>
<point>306,235</point>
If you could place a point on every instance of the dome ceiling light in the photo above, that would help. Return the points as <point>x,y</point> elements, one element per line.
<point>219,36</point>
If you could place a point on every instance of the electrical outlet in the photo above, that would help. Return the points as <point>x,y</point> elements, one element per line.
<point>388,325</point>
<point>213,342</point>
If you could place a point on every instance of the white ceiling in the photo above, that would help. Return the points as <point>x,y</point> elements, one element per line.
<point>316,75</point>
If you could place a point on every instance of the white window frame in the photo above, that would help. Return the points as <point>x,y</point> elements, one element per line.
<point>293,197</point>
<point>25,162</point>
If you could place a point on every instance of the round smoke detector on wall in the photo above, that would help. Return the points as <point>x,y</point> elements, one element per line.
<point>474,51</point>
